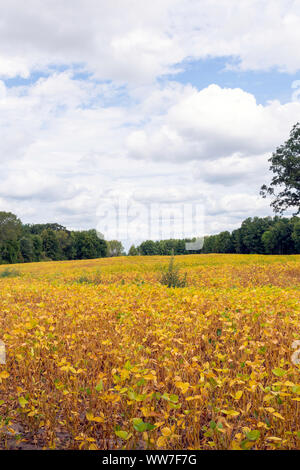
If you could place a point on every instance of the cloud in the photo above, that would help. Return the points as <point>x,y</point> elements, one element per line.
<point>211,124</point>
<point>113,40</point>
<point>68,148</point>
<point>233,170</point>
<point>135,42</point>
<point>93,120</point>
<point>33,184</point>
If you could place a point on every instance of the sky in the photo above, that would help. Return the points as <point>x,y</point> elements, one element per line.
<point>117,110</point>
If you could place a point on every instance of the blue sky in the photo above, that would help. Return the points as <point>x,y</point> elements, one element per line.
<point>174,103</point>
<point>264,85</point>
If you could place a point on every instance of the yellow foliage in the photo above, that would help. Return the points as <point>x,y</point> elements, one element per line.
<point>198,367</point>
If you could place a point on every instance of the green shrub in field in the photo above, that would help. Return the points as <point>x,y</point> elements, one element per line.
<point>95,279</point>
<point>9,272</point>
<point>83,280</point>
<point>171,277</point>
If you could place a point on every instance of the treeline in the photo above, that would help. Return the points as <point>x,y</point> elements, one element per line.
<point>256,235</point>
<point>276,236</point>
<point>22,243</point>
<point>162,247</point>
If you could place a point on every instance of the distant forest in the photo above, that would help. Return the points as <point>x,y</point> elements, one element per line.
<point>277,236</point>
<point>22,243</point>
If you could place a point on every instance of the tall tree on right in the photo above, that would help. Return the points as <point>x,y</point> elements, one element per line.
<point>285,184</point>
<point>10,231</point>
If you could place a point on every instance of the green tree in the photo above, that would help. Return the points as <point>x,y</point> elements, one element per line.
<point>10,226</point>
<point>224,243</point>
<point>237,241</point>
<point>251,233</point>
<point>296,235</point>
<point>180,247</point>
<point>99,243</point>
<point>148,247</point>
<point>115,248</point>
<point>10,252</point>
<point>50,244</point>
<point>88,245</point>
<point>10,231</point>
<point>66,244</point>
<point>37,247</point>
<point>208,245</point>
<point>133,251</point>
<point>285,165</point>
<point>269,242</point>
<point>27,249</point>
<point>283,235</point>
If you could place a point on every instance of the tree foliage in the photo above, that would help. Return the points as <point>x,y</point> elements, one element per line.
<point>40,242</point>
<point>10,226</point>
<point>285,165</point>
<point>133,251</point>
<point>171,276</point>
<point>257,235</point>
<point>115,248</point>
<point>165,247</point>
